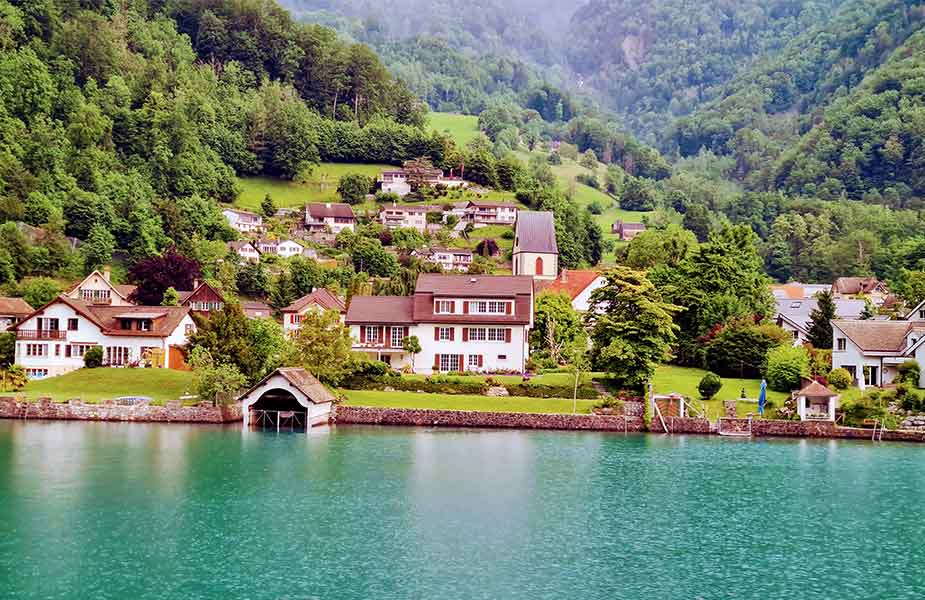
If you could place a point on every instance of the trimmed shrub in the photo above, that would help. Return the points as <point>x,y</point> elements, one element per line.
<point>93,357</point>
<point>909,372</point>
<point>787,366</point>
<point>709,386</point>
<point>840,379</point>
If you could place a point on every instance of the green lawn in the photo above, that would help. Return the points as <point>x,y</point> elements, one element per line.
<point>321,186</point>
<point>461,128</point>
<point>685,380</point>
<point>462,402</point>
<point>96,385</point>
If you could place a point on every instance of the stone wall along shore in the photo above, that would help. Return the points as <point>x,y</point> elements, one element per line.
<point>76,410</point>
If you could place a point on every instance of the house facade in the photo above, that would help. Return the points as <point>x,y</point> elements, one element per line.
<point>330,216</point>
<point>282,248</point>
<point>398,181</point>
<point>449,259</point>
<point>53,339</point>
<point>411,217</point>
<point>463,323</point>
<point>202,299</point>
<point>243,221</point>
<point>318,300</point>
<point>12,311</point>
<point>97,288</point>
<point>245,250</point>
<point>535,251</point>
<point>872,350</point>
<point>490,213</point>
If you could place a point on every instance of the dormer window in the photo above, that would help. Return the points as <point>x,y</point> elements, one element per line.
<point>444,307</point>
<point>125,324</point>
<point>145,324</point>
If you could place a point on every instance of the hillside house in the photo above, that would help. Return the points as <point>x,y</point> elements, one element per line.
<point>481,213</point>
<point>202,299</point>
<point>410,217</point>
<point>281,248</point>
<point>98,288</point>
<point>399,181</point>
<point>243,221</point>
<point>463,323</point>
<point>578,285</point>
<point>256,310</point>
<point>53,339</point>
<point>449,259</point>
<point>319,300</point>
<point>627,231</point>
<point>794,314</point>
<point>535,251</point>
<point>330,216</point>
<point>870,287</point>
<point>245,250</point>
<point>12,311</point>
<point>871,350</point>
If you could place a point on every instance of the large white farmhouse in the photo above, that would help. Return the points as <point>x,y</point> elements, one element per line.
<point>463,323</point>
<point>53,339</point>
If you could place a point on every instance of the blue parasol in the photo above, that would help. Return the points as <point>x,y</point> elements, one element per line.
<point>762,396</point>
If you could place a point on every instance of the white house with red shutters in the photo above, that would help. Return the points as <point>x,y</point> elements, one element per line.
<point>463,323</point>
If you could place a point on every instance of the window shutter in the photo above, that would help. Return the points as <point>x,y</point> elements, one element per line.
<point>465,307</point>
<point>507,307</point>
<point>452,306</point>
<point>67,352</point>
<point>481,361</point>
<point>405,332</point>
<point>436,362</point>
<point>381,336</point>
<point>465,334</point>
<point>452,333</point>
<point>362,334</point>
<point>507,335</point>
<point>462,363</point>
<point>436,334</point>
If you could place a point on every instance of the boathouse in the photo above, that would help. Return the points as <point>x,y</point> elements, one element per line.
<point>287,397</point>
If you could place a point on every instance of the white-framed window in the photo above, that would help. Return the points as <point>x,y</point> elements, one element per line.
<point>445,334</point>
<point>444,307</point>
<point>449,362</point>
<point>477,334</point>
<point>95,295</point>
<point>372,334</point>
<point>496,334</point>
<point>497,308</point>
<point>398,335</point>
<point>36,373</point>
<point>488,307</point>
<point>841,344</point>
<point>145,324</point>
<point>37,350</point>
<point>117,355</point>
<point>78,350</point>
<point>478,307</point>
<point>474,361</point>
<point>922,314</point>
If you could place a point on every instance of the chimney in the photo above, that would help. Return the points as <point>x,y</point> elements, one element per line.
<point>107,273</point>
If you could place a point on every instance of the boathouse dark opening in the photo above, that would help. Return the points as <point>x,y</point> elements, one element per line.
<point>279,400</point>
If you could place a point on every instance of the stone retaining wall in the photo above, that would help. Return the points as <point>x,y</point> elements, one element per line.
<point>468,418</point>
<point>819,429</point>
<point>681,425</point>
<point>76,410</point>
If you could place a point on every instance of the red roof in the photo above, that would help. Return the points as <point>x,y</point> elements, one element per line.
<point>331,209</point>
<point>572,283</point>
<point>164,319</point>
<point>381,310</point>
<point>320,297</point>
<point>474,286</point>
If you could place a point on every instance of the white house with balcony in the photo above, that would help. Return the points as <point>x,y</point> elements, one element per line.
<point>245,250</point>
<point>872,350</point>
<point>449,259</point>
<point>410,217</point>
<point>281,248</point>
<point>243,221</point>
<point>330,216</point>
<point>53,339</point>
<point>398,181</point>
<point>463,323</point>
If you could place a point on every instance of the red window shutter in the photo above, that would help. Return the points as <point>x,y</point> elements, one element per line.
<point>436,362</point>
<point>481,360</point>
<point>436,334</point>
<point>465,334</point>
<point>406,332</point>
<point>67,352</point>
<point>462,363</point>
<point>362,334</point>
<point>465,307</point>
<point>453,306</point>
<point>381,334</point>
<point>507,307</point>
<point>507,335</point>
<point>452,333</point>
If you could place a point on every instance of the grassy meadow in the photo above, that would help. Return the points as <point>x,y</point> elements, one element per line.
<point>96,385</point>
<point>461,128</point>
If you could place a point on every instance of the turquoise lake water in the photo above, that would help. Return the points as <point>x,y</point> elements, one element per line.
<point>129,511</point>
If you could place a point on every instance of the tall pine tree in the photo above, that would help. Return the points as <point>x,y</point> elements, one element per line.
<point>820,329</point>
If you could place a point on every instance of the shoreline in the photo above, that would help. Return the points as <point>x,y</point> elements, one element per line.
<point>174,412</point>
